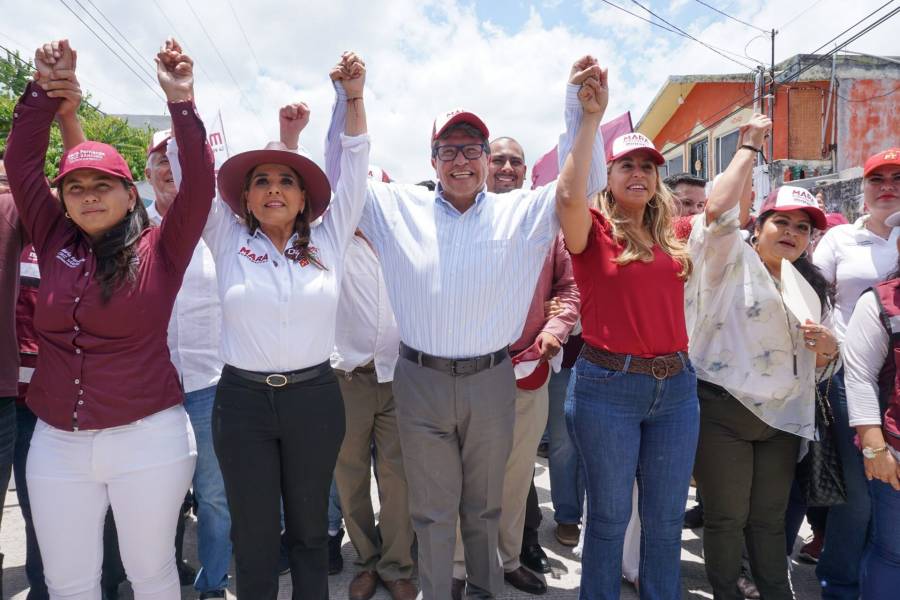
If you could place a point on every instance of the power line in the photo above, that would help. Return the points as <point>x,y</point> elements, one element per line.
<point>246,39</point>
<point>689,36</point>
<point>135,73</point>
<point>137,52</point>
<point>725,14</point>
<point>655,24</point>
<point>793,76</point>
<point>141,66</point>
<point>224,63</point>
<point>14,56</point>
<point>799,14</point>
<point>855,24</point>
<point>179,36</point>
<point>870,98</point>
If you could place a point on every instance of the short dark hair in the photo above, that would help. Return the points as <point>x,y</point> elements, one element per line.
<point>686,178</point>
<point>428,184</point>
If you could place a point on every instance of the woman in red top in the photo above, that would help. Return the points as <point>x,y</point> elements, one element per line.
<point>111,428</point>
<point>634,410</point>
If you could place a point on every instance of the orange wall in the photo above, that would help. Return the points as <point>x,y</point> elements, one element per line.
<point>705,105</point>
<point>870,123</point>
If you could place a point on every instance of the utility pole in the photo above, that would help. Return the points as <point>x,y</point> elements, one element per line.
<point>772,114</point>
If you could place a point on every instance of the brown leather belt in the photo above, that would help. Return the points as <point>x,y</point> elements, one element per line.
<point>660,367</point>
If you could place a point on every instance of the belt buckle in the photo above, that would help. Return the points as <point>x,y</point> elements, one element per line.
<point>272,379</point>
<point>657,365</point>
<point>463,367</point>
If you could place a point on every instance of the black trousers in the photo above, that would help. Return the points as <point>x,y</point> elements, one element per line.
<point>274,445</point>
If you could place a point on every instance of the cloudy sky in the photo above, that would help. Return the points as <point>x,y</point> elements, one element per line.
<point>505,59</point>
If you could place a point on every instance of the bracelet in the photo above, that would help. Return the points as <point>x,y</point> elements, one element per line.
<point>749,147</point>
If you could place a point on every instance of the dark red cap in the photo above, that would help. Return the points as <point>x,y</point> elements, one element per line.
<point>93,155</point>
<point>450,118</point>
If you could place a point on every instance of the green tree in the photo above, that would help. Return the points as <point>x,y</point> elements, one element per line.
<point>131,142</point>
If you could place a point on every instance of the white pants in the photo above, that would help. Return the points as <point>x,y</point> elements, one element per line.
<point>143,470</point>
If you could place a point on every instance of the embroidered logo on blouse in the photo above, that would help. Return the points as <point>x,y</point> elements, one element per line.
<point>252,257</point>
<point>310,256</point>
<point>66,257</point>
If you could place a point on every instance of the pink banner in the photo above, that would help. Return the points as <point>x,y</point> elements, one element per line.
<point>546,169</point>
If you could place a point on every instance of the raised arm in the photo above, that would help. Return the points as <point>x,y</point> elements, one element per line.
<point>64,85</point>
<point>574,113</point>
<point>29,138</point>
<point>183,223</point>
<point>351,180</point>
<point>572,187</point>
<point>292,120</point>
<point>733,186</point>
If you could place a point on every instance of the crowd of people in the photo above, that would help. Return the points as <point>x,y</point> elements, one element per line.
<point>253,344</point>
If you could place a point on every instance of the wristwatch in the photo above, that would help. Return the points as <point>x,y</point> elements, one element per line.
<point>870,453</point>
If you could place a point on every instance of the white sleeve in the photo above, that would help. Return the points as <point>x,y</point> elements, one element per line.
<point>220,220</point>
<point>715,247</point>
<point>864,351</point>
<point>825,256</point>
<point>350,191</point>
<point>573,116</point>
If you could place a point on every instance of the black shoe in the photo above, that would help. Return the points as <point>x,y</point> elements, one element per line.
<point>186,573</point>
<point>693,517</point>
<point>457,589</point>
<point>212,594</point>
<point>534,558</point>
<point>526,581</point>
<point>335,560</point>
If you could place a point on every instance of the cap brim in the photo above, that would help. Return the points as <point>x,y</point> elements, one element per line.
<point>234,172</point>
<point>536,379</point>
<point>65,172</point>
<point>159,146</point>
<point>463,117</point>
<point>878,165</point>
<point>816,216</point>
<point>658,158</point>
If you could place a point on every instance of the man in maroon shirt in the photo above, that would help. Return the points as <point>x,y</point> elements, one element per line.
<point>12,240</point>
<point>543,336</point>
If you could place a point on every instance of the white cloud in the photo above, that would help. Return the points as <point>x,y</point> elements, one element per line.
<point>423,57</point>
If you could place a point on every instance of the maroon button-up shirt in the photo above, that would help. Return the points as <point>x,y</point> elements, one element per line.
<point>104,365</point>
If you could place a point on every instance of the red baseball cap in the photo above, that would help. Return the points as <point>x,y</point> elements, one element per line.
<point>94,155</point>
<point>891,156</point>
<point>159,140</point>
<point>450,118</point>
<point>632,142</point>
<point>234,173</point>
<point>789,197</point>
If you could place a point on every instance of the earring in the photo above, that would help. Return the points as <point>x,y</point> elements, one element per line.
<point>67,215</point>
<point>753,240</point>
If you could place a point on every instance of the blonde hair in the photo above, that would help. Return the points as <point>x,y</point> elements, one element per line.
<point>658,215</point>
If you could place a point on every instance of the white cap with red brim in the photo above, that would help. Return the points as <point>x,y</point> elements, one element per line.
<point>789,197</point>
<point>531,372</point>
<point>633,142</point>
<point>458,115</point>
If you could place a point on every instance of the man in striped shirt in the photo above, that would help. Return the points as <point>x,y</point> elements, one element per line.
<point>460,264</point>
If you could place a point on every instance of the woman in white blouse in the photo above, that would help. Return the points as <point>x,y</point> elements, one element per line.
<point>756,366</point>
<point>278,420</point>
<point>871,352</point>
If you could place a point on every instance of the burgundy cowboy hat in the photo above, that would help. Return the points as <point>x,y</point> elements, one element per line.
<point>234,171</point>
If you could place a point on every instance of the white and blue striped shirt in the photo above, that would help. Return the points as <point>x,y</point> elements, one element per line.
<point>461,283</point>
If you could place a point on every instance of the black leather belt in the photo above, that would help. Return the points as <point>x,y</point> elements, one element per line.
<point>455,366</point>
<point>278,380</point>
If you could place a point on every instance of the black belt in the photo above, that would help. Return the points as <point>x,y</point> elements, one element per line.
<point>454,366</point>
<point>278,380</point>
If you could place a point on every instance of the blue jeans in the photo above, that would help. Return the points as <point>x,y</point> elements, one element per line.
<point>847,529</point>
<point>335,516</point>
<point>880,577</point>
<point>213,518</point>
<point>566,479</point>
<point>626,425</point>
<point>34,567</point>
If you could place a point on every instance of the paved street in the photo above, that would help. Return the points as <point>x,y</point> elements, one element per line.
<point>563,581</point>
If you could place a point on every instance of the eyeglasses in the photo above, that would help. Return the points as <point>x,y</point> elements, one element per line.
<point>449,152</point>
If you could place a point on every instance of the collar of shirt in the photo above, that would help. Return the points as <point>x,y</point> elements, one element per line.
<point>440,199</point>
<point>154,214</point>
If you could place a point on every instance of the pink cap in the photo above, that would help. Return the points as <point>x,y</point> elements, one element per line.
<point>159,140</point>
<point>450,118</point>
<point>96,156</point>
<point>789,197</point>
<point>891,156</point>
<point>632,142</point>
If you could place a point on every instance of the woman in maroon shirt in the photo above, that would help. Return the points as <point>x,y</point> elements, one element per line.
<point>111,428</point>
<point>635,409</point>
